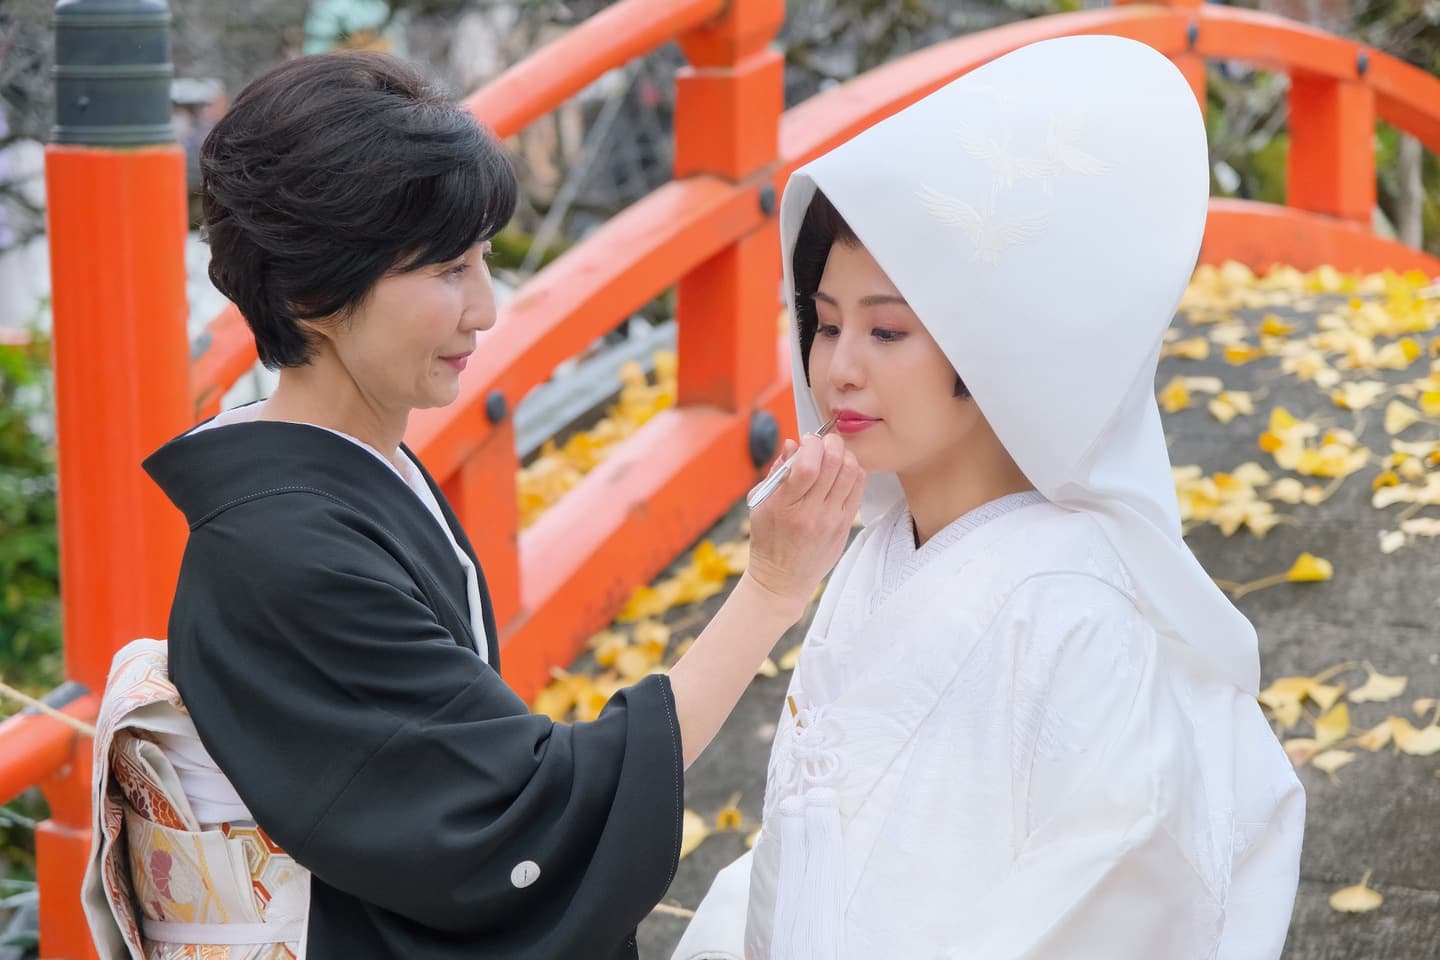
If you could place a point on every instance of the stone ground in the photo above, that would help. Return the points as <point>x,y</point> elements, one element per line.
<point>1384,814</point>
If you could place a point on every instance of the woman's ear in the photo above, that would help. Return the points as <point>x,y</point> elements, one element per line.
<point>324,328</point>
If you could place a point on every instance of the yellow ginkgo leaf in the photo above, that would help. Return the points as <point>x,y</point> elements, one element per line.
<point>1399,417</point>
<point>1175,397</point>
<point>1196,348</point>
<point>1229,404</point>
<point>1330,761</point>
<point>751,837</point>
<point>1284,696</point>
<point>710,563</point>
<point>736,554</point>
<point>1237,354</point>
<point>1286,713</point>
<point>1357,899</point>
<point>1421,527</point>
<point>1309,568</point>
<point>1271,442</point>
<point>1333,726</point>
<point>1324,695</point>
<point>1202,384</point>
<point>790,657</point>
<point>590,701</point>
<point>1424,705</point>
<point>1357,395</point>
<point>635,662</point>
<point>643,603</point>
<point>608,646</point>
<point>1377,688</point>
<point>1273,326</point>
<point>1391,540</point>
<point>1251,474</point>
<point>1411,469</point>
<point>652,633</point>
<point>1282,420</point>
<point>1300,750</point>
<point>1418,743</point>
<point>1286,490</point>
<point>693,831</point>
<point>768,669</point>
<point>1285,689</point>
<point>1376,737</point>
<point>730,817</point>
<point>559,697</point>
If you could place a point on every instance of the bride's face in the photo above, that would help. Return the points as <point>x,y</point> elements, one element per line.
<point>875,365</point>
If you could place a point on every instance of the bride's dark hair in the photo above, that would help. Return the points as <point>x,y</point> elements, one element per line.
<point>822,228</point>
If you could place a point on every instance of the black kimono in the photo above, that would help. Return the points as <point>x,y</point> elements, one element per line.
<point>321,640</point>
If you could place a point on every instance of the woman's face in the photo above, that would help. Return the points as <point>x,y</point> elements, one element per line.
<point>405,346</point>
<point>875,365</point>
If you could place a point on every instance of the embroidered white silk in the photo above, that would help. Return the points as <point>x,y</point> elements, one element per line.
<point>1037,739</point>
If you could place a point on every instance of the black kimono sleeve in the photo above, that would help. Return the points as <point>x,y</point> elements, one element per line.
<point>438,815</point>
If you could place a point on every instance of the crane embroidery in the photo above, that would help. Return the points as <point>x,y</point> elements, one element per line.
<point>990,238</point>
<point>1064,154</point>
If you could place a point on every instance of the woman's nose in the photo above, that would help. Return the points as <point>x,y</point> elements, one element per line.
<point>479,312</point>
<point>846,367</point>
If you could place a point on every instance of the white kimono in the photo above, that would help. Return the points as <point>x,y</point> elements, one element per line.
<point>1127,805</point>
<point>1036,737</point>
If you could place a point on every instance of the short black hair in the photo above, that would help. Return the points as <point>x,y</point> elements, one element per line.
<point>330,172</point>
<point>821,228</point>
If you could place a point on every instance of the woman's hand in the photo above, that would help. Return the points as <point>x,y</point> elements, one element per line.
<point>798,534</point>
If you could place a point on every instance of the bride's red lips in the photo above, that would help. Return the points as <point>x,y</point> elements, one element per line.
<point>850,422</point>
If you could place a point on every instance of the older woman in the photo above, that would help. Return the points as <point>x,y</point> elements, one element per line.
<point>331,634</point>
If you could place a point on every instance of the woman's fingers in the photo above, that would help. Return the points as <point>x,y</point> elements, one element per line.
<point>804,469</point>
<point>835,448</point>
<point>831,458</point>
<point>853,484</point>
<point>786,451</point>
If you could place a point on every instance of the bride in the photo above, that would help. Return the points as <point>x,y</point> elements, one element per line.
<point>1023,724</point>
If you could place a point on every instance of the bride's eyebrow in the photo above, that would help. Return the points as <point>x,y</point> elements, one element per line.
<point>873,300</point>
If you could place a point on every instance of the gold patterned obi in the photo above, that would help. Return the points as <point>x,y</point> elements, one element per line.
<point>162,886</point>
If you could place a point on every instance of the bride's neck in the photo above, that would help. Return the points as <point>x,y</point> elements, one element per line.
<point>940,493</point>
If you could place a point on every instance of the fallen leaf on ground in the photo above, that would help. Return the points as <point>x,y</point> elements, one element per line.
<point>790,657</point>
<point>1333,726</point>
<point>693,832</point>
<point>1423,742</point>
<point>1377,688</point>
<point>1196,348</point>
<point>1330,761</point>
<point>1399,417</point>
<point>1376,737</point>
<point>1300,750</point>
<point>1356,899</point>
<point>730,817</point>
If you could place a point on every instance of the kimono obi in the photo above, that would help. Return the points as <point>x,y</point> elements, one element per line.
<point>162,886</point>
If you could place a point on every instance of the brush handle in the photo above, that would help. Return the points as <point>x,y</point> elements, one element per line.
<point>772,482</point>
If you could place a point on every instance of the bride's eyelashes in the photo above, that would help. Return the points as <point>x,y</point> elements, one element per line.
<point>884,334</point>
